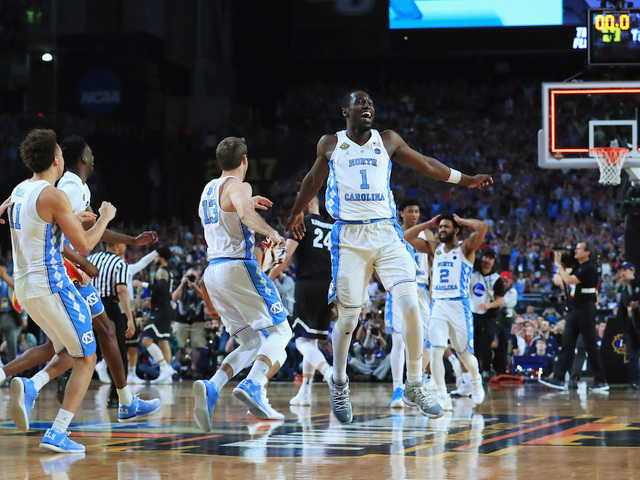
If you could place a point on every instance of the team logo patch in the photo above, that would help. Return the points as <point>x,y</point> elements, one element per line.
<point>378,151</point>
<point>276,308</point>
<point>344,146</point>
<point>92,299</point>
<point>88,338</point>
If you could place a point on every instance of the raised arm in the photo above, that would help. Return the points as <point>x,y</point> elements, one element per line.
<point>291,246</point>
<point>473,242</point>
<point>311,185</point>
<point>53,205</point>
<point>240,197</point>
<point>425,246</point>
<point>110,236</point>
<point>407,156</point>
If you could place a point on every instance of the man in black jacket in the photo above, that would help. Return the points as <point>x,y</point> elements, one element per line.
<point>628,313</point>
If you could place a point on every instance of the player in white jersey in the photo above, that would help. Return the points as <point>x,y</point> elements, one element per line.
<point>366,237</point>
<point>451,318</point>
<point>393,321</point>
<point>239,290</point>
<point>79,162</point>
<point>38,218</point>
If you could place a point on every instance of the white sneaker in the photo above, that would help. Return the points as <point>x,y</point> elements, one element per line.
<point>445,403</point>
<point>273,413</point>
<point>477,392</point>
<point>134,379</point>
<point>101,370</point>
<point>463,390</point>
<point>302,398</point>
<point>166,376</point>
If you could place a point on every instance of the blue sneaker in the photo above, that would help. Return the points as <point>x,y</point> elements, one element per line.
<point>206,396</point>
<point>138,408</point>
<point>251,394</point>
<point>339,399</point>
<point>396,398</point>
<point>23,397</point>
<point>59,442</point>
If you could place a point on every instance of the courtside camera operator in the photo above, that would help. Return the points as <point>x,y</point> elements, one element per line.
<point>582,282</point>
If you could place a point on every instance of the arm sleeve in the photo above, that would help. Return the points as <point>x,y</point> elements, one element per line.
<point>142,263</point>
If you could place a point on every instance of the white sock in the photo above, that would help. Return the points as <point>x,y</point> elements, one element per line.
<point>258,373</point>
<point>326,370</point>
<point>220,379</point>
<point>157,355</point>
<point>63,420</point>
<point>40,379</point>
<point>132,371</point>
<point>124,396</point>
<point>3,376</point>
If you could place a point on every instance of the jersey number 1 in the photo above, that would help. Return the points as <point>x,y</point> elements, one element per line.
<point>14,221</point>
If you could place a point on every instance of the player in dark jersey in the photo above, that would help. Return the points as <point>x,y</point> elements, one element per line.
<point>311,312</point>
<point>158,328</point>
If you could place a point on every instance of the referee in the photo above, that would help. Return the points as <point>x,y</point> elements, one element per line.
<point>111,285</point>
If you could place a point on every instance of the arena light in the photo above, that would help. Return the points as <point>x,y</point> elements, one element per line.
<point>47,57</point>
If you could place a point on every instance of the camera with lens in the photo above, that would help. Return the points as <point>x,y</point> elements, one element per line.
<point>375,331</point>
<point>567,260</point>
<point>191,277</point>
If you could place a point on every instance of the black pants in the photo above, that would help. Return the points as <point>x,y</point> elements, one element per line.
<point>119,319</point>
<point>500,356</point>
<point>485,329</point>
<point>581,320</point>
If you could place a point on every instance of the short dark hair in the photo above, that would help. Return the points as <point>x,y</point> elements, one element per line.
<point>73,149</point>
<point>346,100</point>
<point>38,149</point>
<point>449,216</point>
<point>165,252</point>
<point>409,202</point>
<point>229,153</point>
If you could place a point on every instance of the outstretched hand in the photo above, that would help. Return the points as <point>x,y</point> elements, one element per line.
<point>295,225</point>
<point>480,180</point>
<point>261,203</point>
<point>146,237</point>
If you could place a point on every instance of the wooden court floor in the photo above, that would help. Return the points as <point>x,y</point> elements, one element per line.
<point>522,431</point>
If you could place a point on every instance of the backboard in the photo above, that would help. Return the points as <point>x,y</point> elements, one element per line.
<point>579,116</point>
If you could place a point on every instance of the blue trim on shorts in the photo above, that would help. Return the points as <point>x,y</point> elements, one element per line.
<point>91,296</point>
<point>335,259</point>
<point>261,282</point>
<point>468,315</point>
<point>80,318</point>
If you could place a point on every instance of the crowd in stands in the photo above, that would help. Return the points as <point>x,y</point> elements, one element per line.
<point>473,127</point>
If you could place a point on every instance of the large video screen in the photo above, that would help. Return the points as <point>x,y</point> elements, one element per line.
<point>405,14</point>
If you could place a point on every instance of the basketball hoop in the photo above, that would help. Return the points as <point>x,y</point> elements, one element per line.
<point>610,161</point>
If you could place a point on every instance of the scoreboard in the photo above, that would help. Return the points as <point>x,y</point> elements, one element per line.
<point>614,36</point>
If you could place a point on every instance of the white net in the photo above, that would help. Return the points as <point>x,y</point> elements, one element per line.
<point>610,161</point>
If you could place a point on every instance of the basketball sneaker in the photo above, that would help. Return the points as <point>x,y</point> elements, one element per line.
<point>396,398</point>
<point>101,370</point>
<point>599,387</point>
<point>139,408</point>
<point>133,379</point>
<point>273,413</point>
<point>464,390</point>
<point>416,395</point>
<point>23,398</point>
<point>477,392</point>
<point>206,396</point>
<point>302,398</point>
<point>339,399</point>
<point>60,442</point>
<point>250,394</point>
<point>445,403</point>
<point>552,383</point>
<point>165,376</point>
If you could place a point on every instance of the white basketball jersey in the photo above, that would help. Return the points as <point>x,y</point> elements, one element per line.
<point>226,235</point>
<point>37,245</point>
<point>77,191</point>
<point>422,259</point>
<point>451,273</point>
<point>358,187</point>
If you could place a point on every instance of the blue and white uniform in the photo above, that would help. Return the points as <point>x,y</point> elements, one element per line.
<point>80,198</point>
<point>42,285</point>
<point>241,292</point>
<point>451,317</point>
<point>393,320</point>
<point>366,235</point>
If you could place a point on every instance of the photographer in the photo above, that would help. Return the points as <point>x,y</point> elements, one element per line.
<point>370,352</point>
<point>189,324</point>
<point>583,283</point>
<point>487,297</point>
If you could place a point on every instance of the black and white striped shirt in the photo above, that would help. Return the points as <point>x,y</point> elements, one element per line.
<point>113,272</point>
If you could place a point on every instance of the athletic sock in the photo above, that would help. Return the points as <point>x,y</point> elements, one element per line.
<point>124,396</point>
<point>40,379</point>
<point>258,373</point>
<point>63,420</point>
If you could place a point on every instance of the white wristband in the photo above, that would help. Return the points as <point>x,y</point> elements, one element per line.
<point>455,176</point>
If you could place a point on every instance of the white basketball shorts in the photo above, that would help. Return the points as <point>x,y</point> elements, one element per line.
<point>451,320</point>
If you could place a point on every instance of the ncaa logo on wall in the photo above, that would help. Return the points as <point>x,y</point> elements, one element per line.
<point>99,91</point>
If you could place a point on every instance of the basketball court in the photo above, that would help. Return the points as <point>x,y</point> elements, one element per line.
<point>519,431</point>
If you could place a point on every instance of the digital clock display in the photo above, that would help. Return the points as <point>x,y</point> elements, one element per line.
<point>614,37</point>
